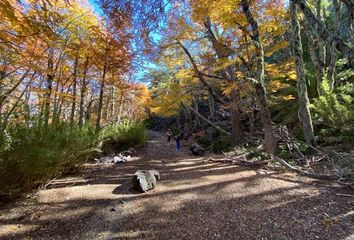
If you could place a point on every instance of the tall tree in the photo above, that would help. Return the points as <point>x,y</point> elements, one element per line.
<point>304,111</point>
<point>269,138</point>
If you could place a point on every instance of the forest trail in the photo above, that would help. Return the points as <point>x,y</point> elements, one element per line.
<point>195,199</point>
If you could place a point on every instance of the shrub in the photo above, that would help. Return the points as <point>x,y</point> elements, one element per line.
<point>205,142</point>
<point>222,143</point>
<point>30,155</point>
<point>334,109</point>
<point>119,136</point>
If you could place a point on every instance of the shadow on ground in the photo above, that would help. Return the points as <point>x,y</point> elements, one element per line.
<point>194,200</point>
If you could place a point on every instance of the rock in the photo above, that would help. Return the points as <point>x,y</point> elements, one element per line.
<point>120,158</point>
<point>197,149</point>
<point>128,152</point>
<point>145,180</point>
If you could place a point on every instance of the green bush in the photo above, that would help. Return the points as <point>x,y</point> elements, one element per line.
<point>205,142</point>
<point>222,143</point>
<point>284,152</point>
<point>30,155</point>
<point>334,109</point>
<point>119,136</point>
<point>217,145</point>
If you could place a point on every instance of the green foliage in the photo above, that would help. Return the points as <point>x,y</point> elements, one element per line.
<point>119,136</point>
<point>222,143</point>
<point>345,72</point>
<point>151,123</point>
<point>218,144</point>
<point>304,148</point>
<point>284,152</point>
<point>205,142</point>
<point>30,155</point>
<point>334,109</point>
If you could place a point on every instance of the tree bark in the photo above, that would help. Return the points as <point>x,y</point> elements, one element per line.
<point>73,104</point>
<point>100,99</point>
<point>208,121</point>
<point>83,92</point>
<point>304,111</point>
<point>50,79</point>
<point>332,56</point>
<point>269,138</point>
<point>315,49</point>
<point>235,116</point>
<point>197,118</point>
<point>200,75</point>
<point>223,52</point>
<point>7,116</point>
<point>211,107</point>
<point>322,31</point>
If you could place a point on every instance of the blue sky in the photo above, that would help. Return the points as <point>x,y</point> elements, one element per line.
<point>144,66</point>
<point>96,7</point>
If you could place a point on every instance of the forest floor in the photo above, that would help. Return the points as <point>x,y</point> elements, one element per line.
<point>195,199</point>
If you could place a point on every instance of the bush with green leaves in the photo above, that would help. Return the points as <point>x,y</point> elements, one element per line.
<point>119,136</point>
<point>218,144</point>
<point>335,108</point>
<point>30,155</point>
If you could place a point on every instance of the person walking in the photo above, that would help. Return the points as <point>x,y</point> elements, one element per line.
<point>169,135</point>
<point>178,142</point>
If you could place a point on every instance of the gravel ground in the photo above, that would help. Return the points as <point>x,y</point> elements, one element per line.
<point>195,200</point>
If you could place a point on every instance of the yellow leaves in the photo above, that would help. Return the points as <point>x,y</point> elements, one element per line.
<point>276,85</point>
<point>276,47</point>
<point>292,75</point>
<point>284,70</point>
<point>224,63</point>
<point>227,88</point>
<point>288,97</point>
<point>170,94</point>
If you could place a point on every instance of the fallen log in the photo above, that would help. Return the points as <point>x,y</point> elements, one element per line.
<point>305,173</point>
<point>241,162</point>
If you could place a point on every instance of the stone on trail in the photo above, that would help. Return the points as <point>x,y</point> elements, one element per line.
<point>197,149</point>
<point>145,180</point>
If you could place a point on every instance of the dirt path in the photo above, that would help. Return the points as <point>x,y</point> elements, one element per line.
<point>194,200</point>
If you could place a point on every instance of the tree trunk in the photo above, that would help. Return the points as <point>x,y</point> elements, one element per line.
<point>223,52</point>
<point>269,138</point>
<point>208,121</point>
<point>211,107</point>
<point>315,49</point>
<point>321,30</point>
<point>73,104</point>
<point>50,79</point>
<point>57,97</point>
<point>304,112</point>
<point>235,116</point>
<point>13,107</point>
<point>350,10</point>
<point>113,105</point>
<point>83,92</point>
<point>332,56</point>
<point>200,75</point>
<point>100,100</point>
<point>120,108</point>
<point>251,123</point>
<point>196,119</point>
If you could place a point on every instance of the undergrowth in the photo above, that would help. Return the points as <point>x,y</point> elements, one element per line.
<point>31,155</point>
<point>119,136</point>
